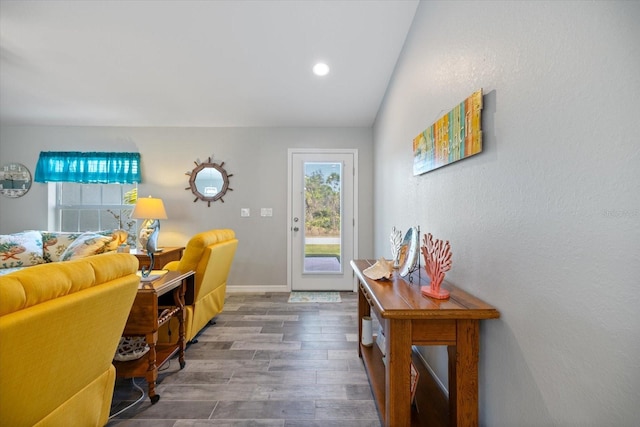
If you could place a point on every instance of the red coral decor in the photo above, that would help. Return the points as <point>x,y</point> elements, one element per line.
<point>437,258</point>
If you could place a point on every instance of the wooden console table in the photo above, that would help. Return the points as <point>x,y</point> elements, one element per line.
<point>162,258</point>
<point>145,319</point>
<point>408,318</point>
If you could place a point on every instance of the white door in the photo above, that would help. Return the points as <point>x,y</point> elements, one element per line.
<point>322,227</point>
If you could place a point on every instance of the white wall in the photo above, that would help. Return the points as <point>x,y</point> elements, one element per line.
<point>545,222</point>
<point>257,158</point>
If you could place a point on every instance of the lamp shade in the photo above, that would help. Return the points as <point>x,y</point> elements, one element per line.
<point>149,208</point>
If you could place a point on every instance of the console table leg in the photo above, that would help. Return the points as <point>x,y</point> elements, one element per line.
<point>178,296</point>
<point>398,373</point>
<point>152,371</point>
<point>463,374</point>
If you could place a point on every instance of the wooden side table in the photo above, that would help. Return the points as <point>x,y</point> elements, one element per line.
<point>145,319</point>
<point>408,318</point>
<point>162,258</point>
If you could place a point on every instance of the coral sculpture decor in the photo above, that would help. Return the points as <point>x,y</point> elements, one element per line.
<point>437,258</point>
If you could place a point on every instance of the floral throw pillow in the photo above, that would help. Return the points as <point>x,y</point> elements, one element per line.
<point>118,237</point>
<point>21,249</point>
<point>85,245</point>
<point>54,243</point>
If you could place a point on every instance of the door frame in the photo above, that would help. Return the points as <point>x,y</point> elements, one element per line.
<point>290,153</point>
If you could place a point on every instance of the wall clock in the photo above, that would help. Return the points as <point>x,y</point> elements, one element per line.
<point>15,180</point>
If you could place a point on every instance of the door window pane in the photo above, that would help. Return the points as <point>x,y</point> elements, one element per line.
<point>322,218</point>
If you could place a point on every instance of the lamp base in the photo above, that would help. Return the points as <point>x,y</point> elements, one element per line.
<point>149,239</point>
<point>145,271</point>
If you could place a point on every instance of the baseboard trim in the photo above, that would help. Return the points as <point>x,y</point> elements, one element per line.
<point>257,289</point>
<point>428,367</point>
<point>431,406</point>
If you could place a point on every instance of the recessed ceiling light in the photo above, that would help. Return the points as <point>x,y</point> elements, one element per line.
<point>321,69</point>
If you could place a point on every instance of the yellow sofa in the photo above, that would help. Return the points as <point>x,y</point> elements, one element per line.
<point>210,255</point>
<point>60,324</point>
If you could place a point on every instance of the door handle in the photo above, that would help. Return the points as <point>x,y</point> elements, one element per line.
<point>296,229</point>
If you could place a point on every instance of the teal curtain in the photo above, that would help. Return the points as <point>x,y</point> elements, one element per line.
<point>88,168</point>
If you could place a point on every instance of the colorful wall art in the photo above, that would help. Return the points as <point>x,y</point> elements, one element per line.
<point>455,136</point>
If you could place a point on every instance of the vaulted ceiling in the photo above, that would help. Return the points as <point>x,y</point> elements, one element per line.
<point>198,63</point>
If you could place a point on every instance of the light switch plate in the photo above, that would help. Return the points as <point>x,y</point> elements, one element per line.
<point>266,212</point>
<point>245,212</point>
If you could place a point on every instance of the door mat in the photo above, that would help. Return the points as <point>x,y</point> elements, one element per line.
<point>315,297</point>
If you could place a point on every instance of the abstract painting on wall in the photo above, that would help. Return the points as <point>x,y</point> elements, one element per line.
<point>454,136</point>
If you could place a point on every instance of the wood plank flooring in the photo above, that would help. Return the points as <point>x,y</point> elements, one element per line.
<point>264,363</point>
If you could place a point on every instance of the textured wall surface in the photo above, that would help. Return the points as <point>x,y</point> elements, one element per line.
<point>257,158</point>
<point>545,222</point>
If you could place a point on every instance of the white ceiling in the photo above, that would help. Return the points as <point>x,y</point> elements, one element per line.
<point>198,63</point>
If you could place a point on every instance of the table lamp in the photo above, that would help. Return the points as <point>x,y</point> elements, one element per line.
<point>152,211</point>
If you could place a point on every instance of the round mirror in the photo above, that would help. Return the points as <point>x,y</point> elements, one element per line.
<point>209,182</point>
<point>15,180</point>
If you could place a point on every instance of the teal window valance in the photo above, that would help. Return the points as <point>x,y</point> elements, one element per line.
<point>88,167</point>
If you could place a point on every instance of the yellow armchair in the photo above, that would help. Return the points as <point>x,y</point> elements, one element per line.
<point>210,255</point>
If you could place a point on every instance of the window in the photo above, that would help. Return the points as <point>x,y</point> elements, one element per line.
<point>88,207</point>
<point>93,190</point>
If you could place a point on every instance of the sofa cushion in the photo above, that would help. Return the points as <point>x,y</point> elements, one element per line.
<point>21,249</point>
<point>55,243</point>
<point>26,288</point>
<point>85,245</point>
<point>5,271</point>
